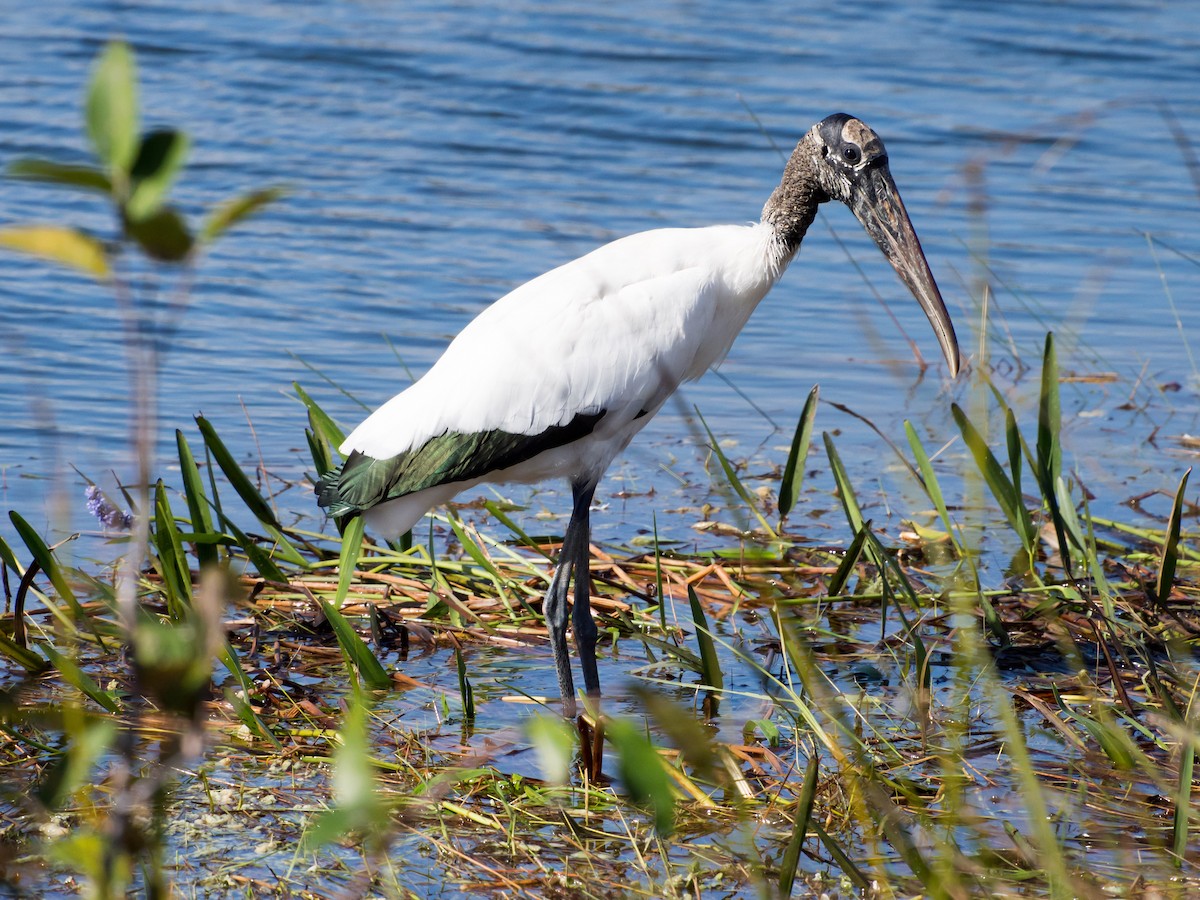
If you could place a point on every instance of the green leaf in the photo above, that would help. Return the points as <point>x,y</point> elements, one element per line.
<point>65,246</point>
<point>710,665</point>
<point>321,423</point>
<point>352,539</point>
<point>732,478</point>
<point>237,478</point>
<point>838,583</point>
<point>233,211</point>
<point>81,681</point>
<point>197,501</point>
<point>43,170</point>
<point>464,686</point>
<point>643,772</point>
<point>929,481</point>
<point>159,161</point>
<point>1011,503</point>
<point>259,558</point>
<point>803,811</point>
<point>553,741</point>
<point>173,560</point>
<point>793,471</point>
<point>1170,553</point>
<point>844,487</point>
<point>27,659</point>
<point>112,108</point>
<point>46,560</point>
<point>357,654</point>
<point>162,235</point>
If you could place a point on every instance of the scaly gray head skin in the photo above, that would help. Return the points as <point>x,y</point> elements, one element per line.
<point>841,158</point>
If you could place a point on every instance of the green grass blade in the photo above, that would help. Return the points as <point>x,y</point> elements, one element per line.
<point>27,659</point>
<point>237,479</point>
<point>239,698</point>
<point>352,540</point>
<point>843,860</point>
<point>732,477</point>
<point>1170,551</point>
<point>464,686</point>
<point>710,665</point>
<point>81,681</point>
<point>930,482</point>
<point>357,654</point>
<point>793,471</point>
<point>837,583</point>
<point>37,547</point>
<point>322,424</point>
<point>173,562</point>
<point>250,495</point>
<point>804,805</point>
<point>844,487</point>
<point>259,558</point>
<point>197,501</point>
<point>1002,488</point>
<point>1183,802</point>
<point>643,772</point>
<point>1049,450</point>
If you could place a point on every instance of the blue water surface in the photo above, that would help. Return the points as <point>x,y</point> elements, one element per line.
<point>438,154</point>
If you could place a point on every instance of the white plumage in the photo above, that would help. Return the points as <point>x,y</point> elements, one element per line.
<point>556,377</point>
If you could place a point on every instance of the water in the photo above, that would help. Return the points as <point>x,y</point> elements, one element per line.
<point>438,155</point>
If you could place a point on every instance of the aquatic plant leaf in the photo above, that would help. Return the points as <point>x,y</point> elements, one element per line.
<point>643,772</point>
<point>233,211</point>
<point>320,421</point>
<point>357,654</point>
<point>352,539</point>
<point>466,691</point>
<point>1011,503</point>
<point>81,680</point>
<point>173,562</point>
<point>1170,551</point>
<point>111,108</point>
<point>553,741</point>
<point>234,474</point>
<point>65,246</point>
<point>160,159</point>
<point>837,583</point>
<point>844,487</point>
<point>197,501</point>
<point>929,481</point>
<point>803,811</point>
<point>259,558</point>
<point>46,560</point>
<point>163,235</point>
<point>732,477</point>
<point>710,665</point>
<point>49,172</point>
<point>793,470</point>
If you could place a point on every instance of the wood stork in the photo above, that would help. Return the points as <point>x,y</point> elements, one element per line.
<point>554,379</point>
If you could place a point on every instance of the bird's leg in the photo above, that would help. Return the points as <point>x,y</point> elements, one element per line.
<point>581,613</point>
<point>555,610</point>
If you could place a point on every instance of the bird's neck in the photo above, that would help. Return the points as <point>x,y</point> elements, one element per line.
<point>792,206</point>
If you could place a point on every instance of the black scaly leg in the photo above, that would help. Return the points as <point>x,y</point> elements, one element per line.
<point>572,563</point>
<point>581,613</point>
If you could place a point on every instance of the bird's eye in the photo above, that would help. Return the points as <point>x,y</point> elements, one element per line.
<point>851,155</point>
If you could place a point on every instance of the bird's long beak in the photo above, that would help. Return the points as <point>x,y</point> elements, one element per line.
<point>877,204</point>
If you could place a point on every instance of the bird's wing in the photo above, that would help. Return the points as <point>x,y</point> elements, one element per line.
<point>611,333</point>
<point>616,327</point>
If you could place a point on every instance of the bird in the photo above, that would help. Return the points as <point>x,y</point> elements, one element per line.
<point>555,378</point>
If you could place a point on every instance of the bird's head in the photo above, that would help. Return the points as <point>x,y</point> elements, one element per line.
<point>850,164</point>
